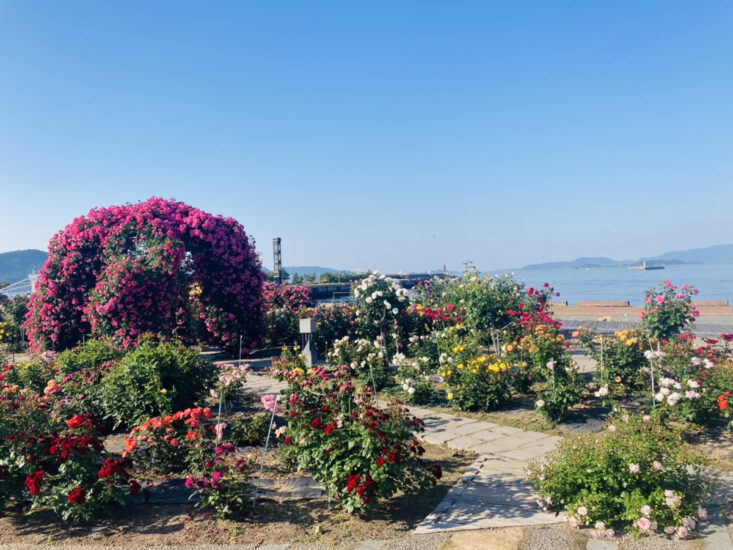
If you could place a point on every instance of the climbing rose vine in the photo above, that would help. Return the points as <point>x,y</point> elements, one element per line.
<point>159,266</point>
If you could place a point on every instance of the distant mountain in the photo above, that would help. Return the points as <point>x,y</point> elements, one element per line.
<point>17,265</point>
<point>308,269</point>
<point>721,253</point>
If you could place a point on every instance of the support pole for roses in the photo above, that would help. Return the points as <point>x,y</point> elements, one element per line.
<point>651,368</point>
<point>374,385</point>
<point>264,454</point>
<point>603,367</point>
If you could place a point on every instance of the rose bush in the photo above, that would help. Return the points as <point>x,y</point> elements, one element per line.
<point>357,451</point>
<point>56,464</point>
<point>636,475</point>
<point>478,384</point>
<point>668,311</point>
<point>381,302</point>
<point>621,361</point>
<point>368,359</point>
<point>284,305</point>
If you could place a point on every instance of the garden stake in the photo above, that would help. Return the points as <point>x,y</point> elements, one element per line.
<point>264,454</point>
<point>376,396</point>
<point>603,370</point>
<point>219,429</point>
<point>240,349</point>
<point>651,370</point>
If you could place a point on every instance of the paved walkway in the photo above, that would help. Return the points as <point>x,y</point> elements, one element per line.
<point>493,492</point>
<point>708,327</point>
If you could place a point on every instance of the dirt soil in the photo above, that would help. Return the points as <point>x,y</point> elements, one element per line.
<point>273,522</point>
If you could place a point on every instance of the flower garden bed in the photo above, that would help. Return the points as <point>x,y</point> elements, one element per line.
<point>274,522</point>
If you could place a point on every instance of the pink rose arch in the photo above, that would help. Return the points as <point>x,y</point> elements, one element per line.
<point>159,266</point>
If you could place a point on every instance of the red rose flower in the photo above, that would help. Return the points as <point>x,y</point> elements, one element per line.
<point>76,496</point>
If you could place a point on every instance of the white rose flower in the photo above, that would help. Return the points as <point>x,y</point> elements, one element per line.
<point>673,398</point>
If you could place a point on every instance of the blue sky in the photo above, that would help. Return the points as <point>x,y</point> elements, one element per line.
<point>390,135</point>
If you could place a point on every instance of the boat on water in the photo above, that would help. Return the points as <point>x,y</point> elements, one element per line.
<point>644,267</point>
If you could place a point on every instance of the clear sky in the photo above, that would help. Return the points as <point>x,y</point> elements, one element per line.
<point>389,135</point>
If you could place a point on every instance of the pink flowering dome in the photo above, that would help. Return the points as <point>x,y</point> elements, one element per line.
<point>160,267</point>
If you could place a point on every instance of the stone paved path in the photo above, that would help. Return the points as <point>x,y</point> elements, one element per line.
<point>493,491</point>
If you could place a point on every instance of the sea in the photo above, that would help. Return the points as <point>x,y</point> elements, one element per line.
<point>714,281</point>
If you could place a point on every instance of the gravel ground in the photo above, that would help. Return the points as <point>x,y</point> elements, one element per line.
<point>418,542</point>
<point>655,542</point>
<point>553,537</point>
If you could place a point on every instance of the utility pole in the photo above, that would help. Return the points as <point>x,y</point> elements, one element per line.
<point>277,259</point>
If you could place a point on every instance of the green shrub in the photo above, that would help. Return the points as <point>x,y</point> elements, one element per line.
<point>250,432</point>
<point>93,353</point>
<point>636,475</point>
<point>12,317</point>
<point>154,379</point>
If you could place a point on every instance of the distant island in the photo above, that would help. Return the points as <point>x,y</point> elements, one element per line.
<point>722,253</point>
